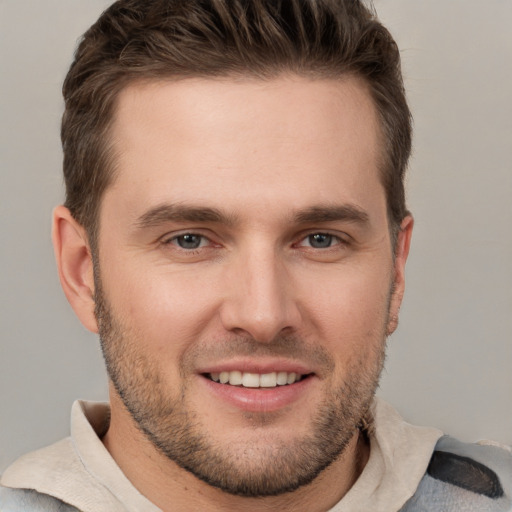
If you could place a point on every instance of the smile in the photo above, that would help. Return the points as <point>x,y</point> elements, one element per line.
<point>256,380</point>
<point>259,390</point>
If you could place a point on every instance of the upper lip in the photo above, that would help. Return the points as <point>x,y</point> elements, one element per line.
<point>260,366</point>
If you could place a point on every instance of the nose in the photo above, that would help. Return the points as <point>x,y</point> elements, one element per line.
<point>260,302</point>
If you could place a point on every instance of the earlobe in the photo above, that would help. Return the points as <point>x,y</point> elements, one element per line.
<point>403,244</point>
<point>75,265</point>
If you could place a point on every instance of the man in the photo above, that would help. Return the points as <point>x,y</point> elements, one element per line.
<point>236,232</point>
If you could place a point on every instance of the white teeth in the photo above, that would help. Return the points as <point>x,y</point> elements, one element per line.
<point>255,380</point>
<point>235,378</point>
<point>250,380</point>
<point>291,378</point>
<point>282,378</point>
<point>268,380</point>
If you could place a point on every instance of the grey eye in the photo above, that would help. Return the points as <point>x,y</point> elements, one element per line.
<point>320,240</point>
<point>189,241</point>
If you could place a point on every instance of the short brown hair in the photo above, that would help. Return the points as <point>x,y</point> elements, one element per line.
<point>154,39</point>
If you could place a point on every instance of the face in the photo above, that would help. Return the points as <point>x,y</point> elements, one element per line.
<point>245,279</point>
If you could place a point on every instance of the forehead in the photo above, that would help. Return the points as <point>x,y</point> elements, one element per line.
<point>246,142</point>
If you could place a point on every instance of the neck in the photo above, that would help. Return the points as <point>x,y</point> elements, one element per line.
<point>170,487</point>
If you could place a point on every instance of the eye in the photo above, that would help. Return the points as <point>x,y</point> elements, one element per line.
<point>189,241</point>
<point>320,241</point>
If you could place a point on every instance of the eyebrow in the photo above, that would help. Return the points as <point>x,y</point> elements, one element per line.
<point>164,213</point>
<point>319,214</point>
<point>181,213</point>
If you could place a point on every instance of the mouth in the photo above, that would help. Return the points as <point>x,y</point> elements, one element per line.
<point>259,387</point>
<point>256,380</point>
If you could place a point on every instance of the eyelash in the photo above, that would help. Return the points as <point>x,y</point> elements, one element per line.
<point>338,241</point>
<point>174,241</point>
<point>331,237</point>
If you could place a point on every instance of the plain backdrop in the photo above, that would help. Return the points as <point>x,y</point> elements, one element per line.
<point>449,364</point>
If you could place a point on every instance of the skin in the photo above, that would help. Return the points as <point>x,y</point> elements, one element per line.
<point>258,292</point>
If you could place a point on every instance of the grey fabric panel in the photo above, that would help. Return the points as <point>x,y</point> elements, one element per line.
<point>434,496</point>
<point>494,457</point>
<point>465,473</point>
<point>26,500</point>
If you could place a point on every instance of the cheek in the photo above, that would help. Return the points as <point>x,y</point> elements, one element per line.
<point>352,305</point>
<point>168,310</point>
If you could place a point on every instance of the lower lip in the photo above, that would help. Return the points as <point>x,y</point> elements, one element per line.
<point>260,399</point>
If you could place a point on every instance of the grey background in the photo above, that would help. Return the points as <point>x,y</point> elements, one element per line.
<point>449,364</point>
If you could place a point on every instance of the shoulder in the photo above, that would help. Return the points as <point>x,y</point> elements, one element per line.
<point>27,500</point>
<point>23,485</point>
<point>45,465</point>
<point>56,479</point>
<point>465,476</point>
<point>48,479</point>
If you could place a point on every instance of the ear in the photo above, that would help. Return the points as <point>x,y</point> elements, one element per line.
<point>403,244</point>
<point>74,263</point>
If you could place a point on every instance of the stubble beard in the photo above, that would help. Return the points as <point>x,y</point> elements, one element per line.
<point>243,469</point>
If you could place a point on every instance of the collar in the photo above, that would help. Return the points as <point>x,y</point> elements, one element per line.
<point>79,470</point>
